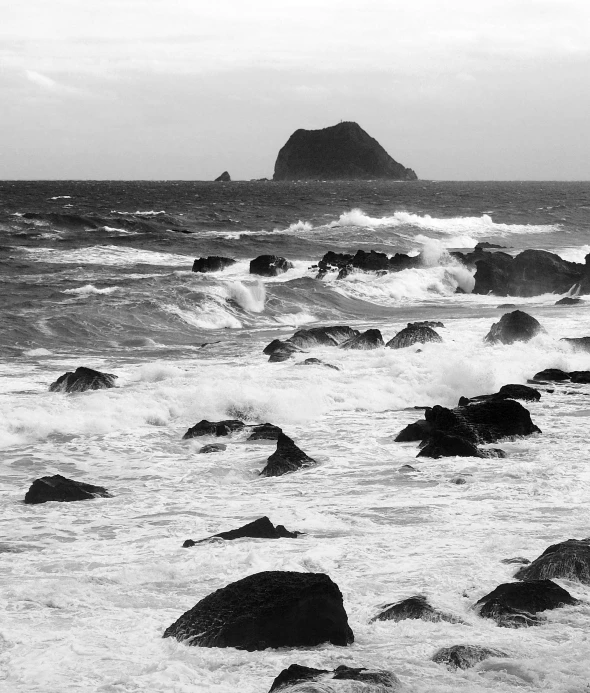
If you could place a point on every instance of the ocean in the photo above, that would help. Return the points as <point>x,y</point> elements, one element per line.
<point>98,274</point>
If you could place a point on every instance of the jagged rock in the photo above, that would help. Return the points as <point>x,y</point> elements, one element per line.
<point>413,608</point>
<point>514,327</point>
<point>511,391</point>
<point>553,374</point>
<point>464,656</point>
<point>516,604</point>
<point>568,560</point>
<point>214,428</point>
<point>580,377</point>
<point>328,336</point>
<point>317,362</point>
<point>426,323</point>
<point>83,379</point>
<point>212,447</point>
<point>280,351</point>
<point>286,458</point>
<point>364,261</point>
<point>223,178</point>
<point>262,528</point>
<point>531,273</point>
<point>340,152</point>
<point>568,301</point>
<point>59,488</point>
<point>443,445</point>
<point>213,263</point>
<point>269,265</point>
<point>414,333</point>
<point>266,431</point>
<point>420,430</point>
<point>269,609</point>
<point>578,343</point>
<point>370,680</point>
<point>517,559</point>
<point>371,339</point>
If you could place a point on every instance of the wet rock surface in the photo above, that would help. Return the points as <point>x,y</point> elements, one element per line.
<point>370,680</point>
<point>371,339</point>
<point>266,431</point>
<point>269,265</point>
<point>83,379</point>
<point>465,656</point>
<point>262,528</point>
<point>212,447</point>
<point>414,333</point>
<point>60,488</point>
<point>413,608</point>
<point>514,327</point>
<point>286,458</point>
<point>214,428</point>
<point>567,560</point>
<point>213,263</point>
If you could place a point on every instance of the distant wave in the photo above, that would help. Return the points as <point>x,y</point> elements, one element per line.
<point>91,289</point>
<point>108,255</point>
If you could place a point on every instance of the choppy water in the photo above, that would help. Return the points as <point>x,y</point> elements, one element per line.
<point>99,275</point>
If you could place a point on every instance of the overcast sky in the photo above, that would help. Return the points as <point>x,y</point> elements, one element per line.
<point>185,89</point>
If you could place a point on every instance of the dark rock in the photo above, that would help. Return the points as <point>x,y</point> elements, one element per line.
<point>507,305</point>
<point>443,445</point>
<point>426,323</point>
<point>553,374</point>
<point>511,391</point>
<point>580,377</point>
<point>568,301</point>
<point>296,674</point>
<point>317,362</point>
<point>516,604</point>
<point>262,528</point>
<point>371,680</point>
<point>214,428</point>
<point>280,351</point>
<point>458,480</point>
<point>407,468</point>
<point>213,263</point>
<point>568,560</point>
<point>266,431</point>
<point>464,656</point>
<point>413,608</point>
<point>371,339</point>
<point>485,244</point>
<point>364,261</point>
<point>514,327</point>
<point>286,458</point>
<point>517,559</point>
<point>269,609</point>
<point>531,273</point>
<point>223,178</point>
<point>59,488</point>
<point>83,379</point>
<point>414,333</point>
<point>340,152</point>
<point>269,265</point>
<point>420,430</point>
<point>578,343</point>
<point>326,336</point>
<point>212,447</point>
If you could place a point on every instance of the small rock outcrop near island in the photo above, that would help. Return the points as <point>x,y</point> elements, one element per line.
<point>269,609</point>
<point>340,152</point>
<point>364,261</point>
<point>269,265</point>
<point>223,178</point>
<point>213,263</point>
<point>286,458</point>
<point>465,656</point>
<point>83,379</point>
<point>414,333</point>
<point>413,608</point>
<point>568,560</point>
<point>59,488</point>
<point>514,327</point>
<point>516,604</point>
<point>214,428</point>
<point>262,528</point>
<point>296,677</point>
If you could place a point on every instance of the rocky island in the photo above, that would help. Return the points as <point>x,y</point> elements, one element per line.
<point>340,152</point>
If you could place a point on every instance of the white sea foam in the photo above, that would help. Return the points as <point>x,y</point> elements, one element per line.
<point>249,297</point>
<point>576,254</point>
<point>209,317</point>
<point>91,289</point>
<point>61,197</point>
<point>107,255</point>
<point>114,231</point>
<point>150,213</point>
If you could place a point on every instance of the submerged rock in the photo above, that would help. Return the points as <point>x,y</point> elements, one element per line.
<point>266,431</point>
<point>568,301</point>
<point>464,656</point>
<point>213,263</point>
<point>262,528</point>
<point>516,559</point>
<point>413,608</point>
<point>317,362</point>
<point>414,333</point>
<point>83,379</point>
<point>59,488</point>
<point>325,336</point>
<point>371,339</point>
<point>280,351</point>
<point>516,604</point>
<point>514,327</point>
<point>269,609</point>
<point>286,458</point>
<point>214,428</point>
<point>568,560</point>
<point>212,447</point>
<point>269,265</point>
<point>443,445</point>
<point>370,680</point>
<point>340,152</point>
<point>223,178</point>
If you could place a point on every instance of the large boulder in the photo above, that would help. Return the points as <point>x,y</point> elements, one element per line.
<point>300,678</point>
<point>414,333</point>
<point>269,609</point>
<point>568,301</point>
<point>516,604</point>
<point>531,273</point>
<point>511,391</point>
<point>465,656</point>
<point>514,327</point>
<point>553,374</point>
<point>371,339</point>
<point>269,265</point>
<point>441,444</point>
<point>262,528</point>
<point>279,350</point>
<point>213,263</point>
<point>322,336</point>
<point>340,152</point>
<point>214,428</point>
<point>413,608</point>
<point>582,377</point>
<point>286,458</point>
<point>83,379</point>
<point>568,560</point>
<point>59,488</point>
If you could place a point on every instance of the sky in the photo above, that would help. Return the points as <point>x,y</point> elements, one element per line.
<point>186,89</point>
